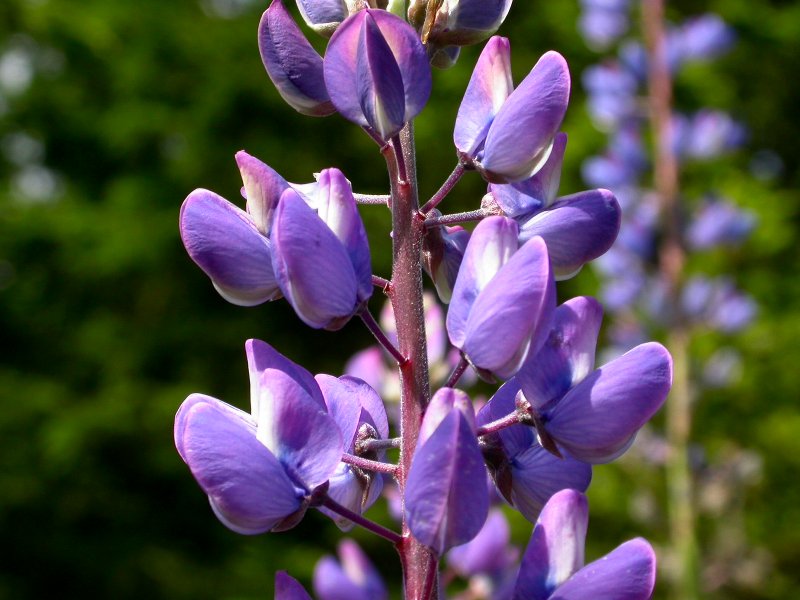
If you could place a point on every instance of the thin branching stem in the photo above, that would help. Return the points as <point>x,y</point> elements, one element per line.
<point>358,519</point>
<point>383,340</point>
<point>372,199</point>
<point>443,191</point>
<point>458,371</point>
<point>463,217</point>
<point>369,465</point>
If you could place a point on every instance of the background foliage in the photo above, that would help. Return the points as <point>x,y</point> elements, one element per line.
<point>111,112</point>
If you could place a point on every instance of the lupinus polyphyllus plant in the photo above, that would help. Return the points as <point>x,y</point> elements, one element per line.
<point>648,282</point>
<point>321,441</point>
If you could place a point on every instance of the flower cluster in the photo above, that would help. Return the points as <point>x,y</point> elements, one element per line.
<point>321,441</point>
<point>633,289</point>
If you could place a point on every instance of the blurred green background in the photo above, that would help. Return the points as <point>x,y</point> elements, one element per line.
<point>112,112</point>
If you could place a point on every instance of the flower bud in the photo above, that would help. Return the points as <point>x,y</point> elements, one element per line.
<point>291,62</point>
<point>377,72</point>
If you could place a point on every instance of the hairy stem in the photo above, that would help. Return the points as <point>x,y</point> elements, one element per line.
<point>369,465</point>
<point>463,217</point>
<point>672,260</point>
<point>408,229</point>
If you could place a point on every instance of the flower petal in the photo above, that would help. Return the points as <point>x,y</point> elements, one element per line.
<point>291,62</point>
<point>247,486</point>
<point>521,199</point>
<point>598,418</point>
<point>513,313</point>
<point>350,52</point>
<point>446,498</point>
<point>313,269</point>
<point>489,552</point>
<point>555,550</point>
<point>577,229</point>
<point>323,16</point>
<point>536,474</point>
<point>228,247</point>
<point>521,135</point>
<point>288,588</point>
<point>263,187</point>
<point>567,356</point>
<point>260,357</point>
<point>491,245</point>
<point>336,206</point>
<point>488,88</point>
<point>354,579</point>
<point>626,573</point>
<point>297,430</point>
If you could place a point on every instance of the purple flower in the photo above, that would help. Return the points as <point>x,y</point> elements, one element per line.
<point>288,588</point>
<point>552,566</point>
<point>353,577</point>
<point>488,553</point>
<point>707,135</point>
<point>576,228</point>
<point>292,64</point>
<point>506,133</point>
<point>358,411</point>
<point>503,298</point>
<point>321,254</point>
<point>603,22</point>
<point>525,474</point>
<point>258,469</point>
<point>377,71</point>
<point>446,501</point>
<point>704,38</point>
<point>719,222</point>
<point>464,22</point>
<point>231,246</point>
<point>592,414</point>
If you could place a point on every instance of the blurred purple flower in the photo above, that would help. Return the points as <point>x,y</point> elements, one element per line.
<point>288,588</point>
<point>719,222</point>
<point>352,577</point>
<point>603,22</point>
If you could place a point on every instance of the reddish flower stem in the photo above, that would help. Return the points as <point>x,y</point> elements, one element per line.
<point>418,561</point>
<point>446,188</point>
<point>510,419</point>
<point>358,519</point>
<point>376,330</point>
<point>463,217</point>
<point>458,371</point>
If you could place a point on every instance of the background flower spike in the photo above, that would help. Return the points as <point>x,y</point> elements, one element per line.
<point>377,72</point>
<point>291,62</point>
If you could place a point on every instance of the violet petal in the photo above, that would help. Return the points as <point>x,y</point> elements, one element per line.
<point>297,431</point>
<point>556,548</point>
<point>626,573</point>
<point>263,188</point>
<point>567,356</point>
<point>228,247</point>
<point>599,417</point>
<point>446,498</point>
<point>512,315</point>
<point>288,588</point>
<point>247,486</point>
<point>312,266</point>
<point>521,135</point>
<point>488,88</point>
<point>577,229</point>
<point>291,62</point>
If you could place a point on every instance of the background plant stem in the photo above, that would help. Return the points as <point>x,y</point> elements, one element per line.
<point>671,263</point>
